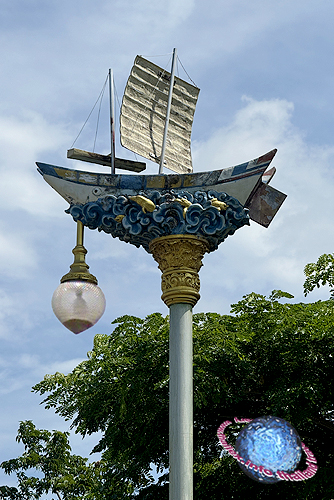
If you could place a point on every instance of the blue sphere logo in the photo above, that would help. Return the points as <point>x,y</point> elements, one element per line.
<point>268,449</point>
<point>271,442</point>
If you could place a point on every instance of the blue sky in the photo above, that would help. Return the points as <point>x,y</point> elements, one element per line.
<point>266,77</point>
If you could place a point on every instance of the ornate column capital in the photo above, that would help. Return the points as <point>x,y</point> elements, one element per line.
<point>180,259</point>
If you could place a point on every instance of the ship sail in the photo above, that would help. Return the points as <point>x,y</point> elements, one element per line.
<point>143,115</point>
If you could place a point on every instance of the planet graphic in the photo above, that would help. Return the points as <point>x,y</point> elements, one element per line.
<point>270,442</point>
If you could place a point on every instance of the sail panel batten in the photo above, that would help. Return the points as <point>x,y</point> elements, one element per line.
<point>178,138</point>
<point>178,106</point>
<point>179,154</point>
<point>179,127</point>
<point>178,93</point>
<point>143,115</point>
<point>136,103</point>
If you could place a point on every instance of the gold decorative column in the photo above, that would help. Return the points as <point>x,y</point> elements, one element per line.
<point>180,259</point>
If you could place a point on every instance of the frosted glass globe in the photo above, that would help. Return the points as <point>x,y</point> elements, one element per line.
<point>78,304</point>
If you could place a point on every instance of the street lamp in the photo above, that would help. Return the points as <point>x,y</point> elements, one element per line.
<point>176,218</point>
<point>78,302</point>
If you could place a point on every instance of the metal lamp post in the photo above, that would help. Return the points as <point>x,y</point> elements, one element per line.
<point>176,218</point>
<point>177,229</point>
<point>180,258</point>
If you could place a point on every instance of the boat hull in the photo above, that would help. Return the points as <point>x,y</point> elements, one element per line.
<point>79,187</point>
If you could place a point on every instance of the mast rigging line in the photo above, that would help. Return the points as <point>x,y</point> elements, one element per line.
<point>184,69</point>
<point>97,100</point>
<point>98,117</point>
<point>159,55</point>
<point>178,60</point>
<point>119,111</point>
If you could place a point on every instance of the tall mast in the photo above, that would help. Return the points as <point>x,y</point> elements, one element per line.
<point>112,119</point>
<point>170,95</point>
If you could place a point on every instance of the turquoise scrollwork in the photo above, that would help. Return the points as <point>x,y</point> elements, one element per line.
<point>174,213</point>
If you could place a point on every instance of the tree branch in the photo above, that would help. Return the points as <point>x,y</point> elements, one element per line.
<point>323,422</point>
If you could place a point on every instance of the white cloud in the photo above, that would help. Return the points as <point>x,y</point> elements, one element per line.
<point>54,58</point>
<point>35,366</point>
<point>24,139</point>
<point>258,127</point>
<point>261,259</point>
<point>24,370</point>
<point>17,254</point>
<point>180,10</point>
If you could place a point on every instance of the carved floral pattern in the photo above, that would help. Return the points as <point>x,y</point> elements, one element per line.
<point>178,278</point>
<point>179,258</point>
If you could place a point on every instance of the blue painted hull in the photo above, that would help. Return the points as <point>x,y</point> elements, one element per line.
<point>79,187</point>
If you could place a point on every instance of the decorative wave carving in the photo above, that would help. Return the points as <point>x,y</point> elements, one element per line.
<point>136,221</point>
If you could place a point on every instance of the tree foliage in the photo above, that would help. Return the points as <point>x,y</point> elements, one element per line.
<point>320,273</point>
<point>58,471</point>
<point>267,357</point>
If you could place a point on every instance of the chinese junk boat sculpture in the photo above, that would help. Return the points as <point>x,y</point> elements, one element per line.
<point>156,120</point>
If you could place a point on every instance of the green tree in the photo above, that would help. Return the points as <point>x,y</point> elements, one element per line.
<point>60,473</point>
<point>320,273</point>
<point>266,357</point>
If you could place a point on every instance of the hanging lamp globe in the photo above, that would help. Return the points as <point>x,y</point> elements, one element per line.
<point>78,302</point>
